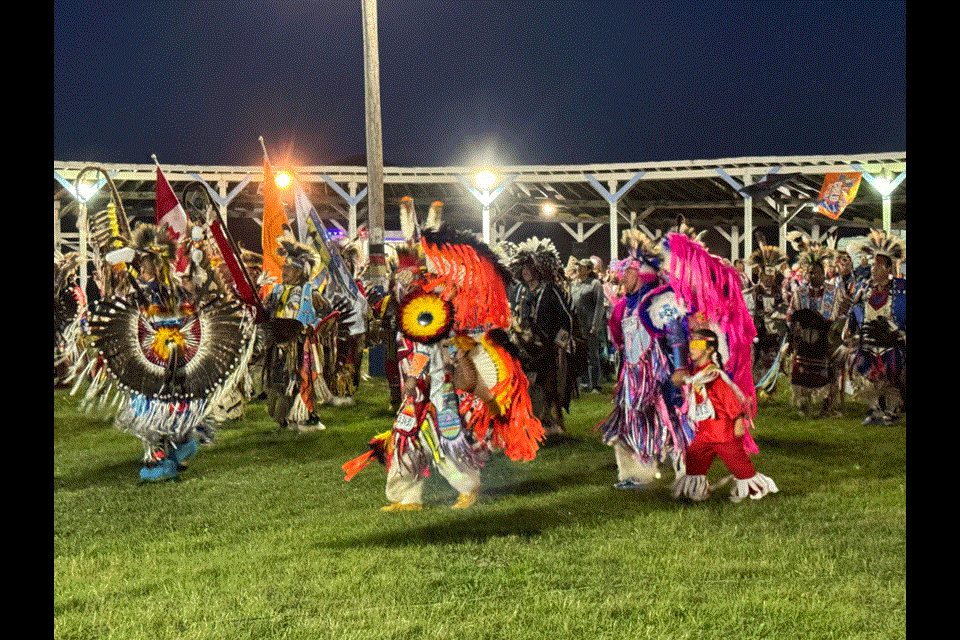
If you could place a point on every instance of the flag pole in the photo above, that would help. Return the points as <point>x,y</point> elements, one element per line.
<point>266,156</point>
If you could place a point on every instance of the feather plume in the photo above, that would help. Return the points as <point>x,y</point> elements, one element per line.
<point>408,219</point>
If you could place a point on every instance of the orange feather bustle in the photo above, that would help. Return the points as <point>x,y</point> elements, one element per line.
<point>511,423</point>
<point>481,299</point>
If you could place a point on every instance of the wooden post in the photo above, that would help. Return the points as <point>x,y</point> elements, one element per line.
<point>375,212</point>
<point>614,235</point>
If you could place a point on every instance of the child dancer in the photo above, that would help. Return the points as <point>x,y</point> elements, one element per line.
<point>719,410</point>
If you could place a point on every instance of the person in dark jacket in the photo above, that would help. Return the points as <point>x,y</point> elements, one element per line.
<point>588,307</point>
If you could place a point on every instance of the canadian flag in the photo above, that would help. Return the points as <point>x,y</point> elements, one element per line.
<point>169,211</point>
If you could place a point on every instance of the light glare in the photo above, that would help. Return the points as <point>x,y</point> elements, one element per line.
<point>86,190</point>
<point>485,179</point>
<point>882,185</point>
<point>283,179</point>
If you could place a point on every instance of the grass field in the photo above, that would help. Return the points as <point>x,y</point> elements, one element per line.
<point>261,538</point>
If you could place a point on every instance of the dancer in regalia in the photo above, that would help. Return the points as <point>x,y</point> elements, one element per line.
<point>648,326</point>
<point>816,306</point>
<point>297,341</point>
<point>722,413</point>
<point>708,288</point>
<point>877,333</point>
<point>769,313</point>
<point>463,391</point>
<point>544,328</point>
<point>161,356</point>
<point>345,289</point>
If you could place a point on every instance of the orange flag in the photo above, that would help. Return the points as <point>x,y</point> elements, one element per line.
<point>839,190</point>
<point>274,221</point>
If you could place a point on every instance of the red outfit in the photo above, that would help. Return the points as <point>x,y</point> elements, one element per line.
<point>715,435</point>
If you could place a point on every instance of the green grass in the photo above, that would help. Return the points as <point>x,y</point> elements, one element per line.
<point>261,538</point>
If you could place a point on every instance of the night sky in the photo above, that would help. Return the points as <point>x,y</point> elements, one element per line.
<point>464,83</point>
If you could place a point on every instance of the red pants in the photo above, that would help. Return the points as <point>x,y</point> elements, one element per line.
<point>700,456</point>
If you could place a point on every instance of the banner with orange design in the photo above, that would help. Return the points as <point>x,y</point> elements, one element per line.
<point>838,190</point>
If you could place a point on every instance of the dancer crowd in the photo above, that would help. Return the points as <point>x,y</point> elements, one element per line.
<point>484,347</point>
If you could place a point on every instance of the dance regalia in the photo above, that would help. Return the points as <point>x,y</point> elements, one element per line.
<point>709,288</point>
<point>697,290</point>
<point>465,394</point>
<point>715,403</point>
<point>546,319</point>
<point>161,357</point>
<point>878,325</point>
<point>545,329</point>
<point>875,350</point>
<point>815,319</point>
<point>769,314</point>
<point>812,317</point>
<point>348,296</point>
<point>298,341</point>
<point>648,422</point>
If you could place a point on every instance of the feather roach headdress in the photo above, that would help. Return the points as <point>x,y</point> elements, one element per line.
<point>506,250</point>
<point>151,239</point>
<point>641,248</point>
<point>299,255</point>
<point>810,251</point>
<point>766,257</point>
<point>153,244</point>
<point>879,243</point>
<point>541,256</point>
<point>680,226</point>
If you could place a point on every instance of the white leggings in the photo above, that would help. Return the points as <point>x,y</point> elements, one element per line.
<point>406,487</point>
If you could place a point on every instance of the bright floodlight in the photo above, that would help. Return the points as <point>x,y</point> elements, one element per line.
<point>548,209</point>
<point>86,190</point>
<point>283,179</point>
<point>882,184</point>
<point>485,179</point>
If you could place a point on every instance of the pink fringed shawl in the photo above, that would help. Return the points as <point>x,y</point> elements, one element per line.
<point>710,286</point>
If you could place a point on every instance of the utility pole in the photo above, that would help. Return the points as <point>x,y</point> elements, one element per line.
<point>371,63</point>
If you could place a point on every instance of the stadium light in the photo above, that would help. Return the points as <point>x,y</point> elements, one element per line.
<point>485,179</point>
<point>883,184</point>
<point>283,179</point>
<point>86,190</point>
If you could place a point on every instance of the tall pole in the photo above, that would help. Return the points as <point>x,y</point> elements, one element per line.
<point>486,221</point>
<point>371,63</point>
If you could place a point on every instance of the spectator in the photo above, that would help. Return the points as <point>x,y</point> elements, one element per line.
<point>588,307</point>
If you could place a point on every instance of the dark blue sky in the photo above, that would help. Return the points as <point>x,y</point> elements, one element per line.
<point>196,82</point>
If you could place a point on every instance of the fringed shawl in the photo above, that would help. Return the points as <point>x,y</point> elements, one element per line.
<point>711,287</point>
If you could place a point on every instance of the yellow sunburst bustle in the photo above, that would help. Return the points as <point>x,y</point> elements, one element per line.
<point>161,341</point>
<point>425,317</point>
